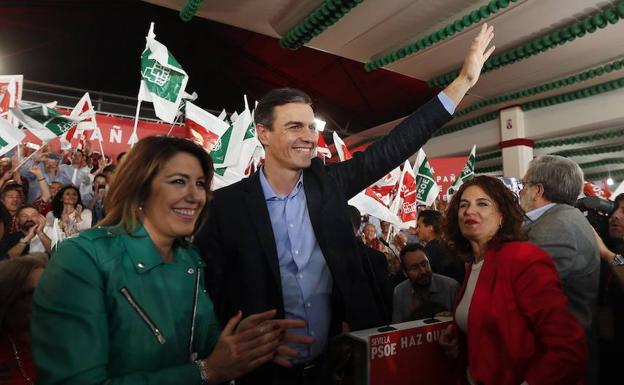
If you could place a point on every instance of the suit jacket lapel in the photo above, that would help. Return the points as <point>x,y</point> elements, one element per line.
<point>314,200</point>
<point>259,214</point>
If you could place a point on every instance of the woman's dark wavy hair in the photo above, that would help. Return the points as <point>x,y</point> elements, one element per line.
<point>507,204</point>
<point>57,201</point>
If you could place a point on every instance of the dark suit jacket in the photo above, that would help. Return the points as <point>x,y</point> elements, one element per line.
<point>376,269</point>
<point>238,243</point>
<point>442,263</point>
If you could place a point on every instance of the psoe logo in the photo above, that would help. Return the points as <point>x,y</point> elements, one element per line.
<point>157,74</point>
<point>217,145</point>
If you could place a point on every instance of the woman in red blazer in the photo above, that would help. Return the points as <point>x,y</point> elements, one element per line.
<point>512,325</point>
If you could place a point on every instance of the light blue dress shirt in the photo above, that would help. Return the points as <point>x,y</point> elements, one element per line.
<point>534,215</point>
<point>306,279</point>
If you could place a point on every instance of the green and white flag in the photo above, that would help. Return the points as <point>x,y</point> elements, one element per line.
<point>226,151</point>
<point>10,136</point>
<point>466,175</point>
<point>427,189</point>
<point>44,121</point>
<point>162,78</point>
<point>249,153</point>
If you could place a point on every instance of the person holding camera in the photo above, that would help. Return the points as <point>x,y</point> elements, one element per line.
<point>94,199</point>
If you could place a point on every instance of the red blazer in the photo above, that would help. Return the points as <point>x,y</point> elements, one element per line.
<point>519,326</point>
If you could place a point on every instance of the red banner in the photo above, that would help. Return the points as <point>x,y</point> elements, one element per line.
<point>446,170</point>
<point>116,131</point>
<point>394,354</point>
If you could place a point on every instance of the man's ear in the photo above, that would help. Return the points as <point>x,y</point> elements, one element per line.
<point>539,194</point>
<point>262,132</point>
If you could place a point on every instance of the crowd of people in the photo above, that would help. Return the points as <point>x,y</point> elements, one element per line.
<point>138,273</point>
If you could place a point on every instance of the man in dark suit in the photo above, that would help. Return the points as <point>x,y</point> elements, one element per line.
<point>282,238</point>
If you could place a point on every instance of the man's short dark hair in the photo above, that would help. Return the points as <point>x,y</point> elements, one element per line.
<point>263,114</point>
<point>431,218</point>
<point>99,175</point>
<point>12,187</point>
<point>24,207</point>
<point>109,168</point>
<point>618,199</point>
<point>410,247</point>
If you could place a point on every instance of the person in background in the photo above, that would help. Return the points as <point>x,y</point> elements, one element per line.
<point>18,279</point>
<point>424,294</point>
<point>31,237</point>
<point>129,293</point>
<point>68,216</point>
<point>370,239</point>
<point>94,198</point>
<point>49,166</point>
<point>429,231</point>
<point>6,164</point>
<point>75,172</point>
<point>109,171</point>
<point>550,188</point>
<point>512,312</point>
<point>12,197</point>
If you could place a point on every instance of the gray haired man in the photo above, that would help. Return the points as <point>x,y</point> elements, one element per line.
<point>551,187</point>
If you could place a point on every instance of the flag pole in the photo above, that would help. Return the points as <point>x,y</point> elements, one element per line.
<point>173,124</point>
<point>134,138</point>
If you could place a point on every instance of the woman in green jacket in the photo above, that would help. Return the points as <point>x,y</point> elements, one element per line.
<point>124,303</point>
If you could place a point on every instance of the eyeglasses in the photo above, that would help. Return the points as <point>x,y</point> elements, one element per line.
<point>525,183</point>
<point>423,265</point>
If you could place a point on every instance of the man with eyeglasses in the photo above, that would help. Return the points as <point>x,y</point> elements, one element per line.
<point>551,186</point>
<point>424,294</point>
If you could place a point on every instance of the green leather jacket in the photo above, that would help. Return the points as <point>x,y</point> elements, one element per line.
<point>108,310</point>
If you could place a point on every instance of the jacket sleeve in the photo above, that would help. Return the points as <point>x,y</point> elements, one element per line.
<point>388,153</point>
<point>70,327</point>
<point>209,242</point>
<point>563,356</point>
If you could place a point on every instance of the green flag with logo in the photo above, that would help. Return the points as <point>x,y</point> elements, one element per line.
<point>427,189</point>
<point>163,80</point>
<point>44,121</point>
<point>467,173</point>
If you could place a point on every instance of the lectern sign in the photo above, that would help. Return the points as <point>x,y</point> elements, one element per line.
<point>409,356</point>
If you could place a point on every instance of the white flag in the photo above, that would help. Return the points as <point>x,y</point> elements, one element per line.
<point>249,152</point>
<point>341,148</point>
<point>204,126</point>
<point>10,136</point>
<point>404,204</point>
<point>227,150</point>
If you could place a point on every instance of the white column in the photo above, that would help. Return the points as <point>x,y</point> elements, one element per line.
<point>517,149</point>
